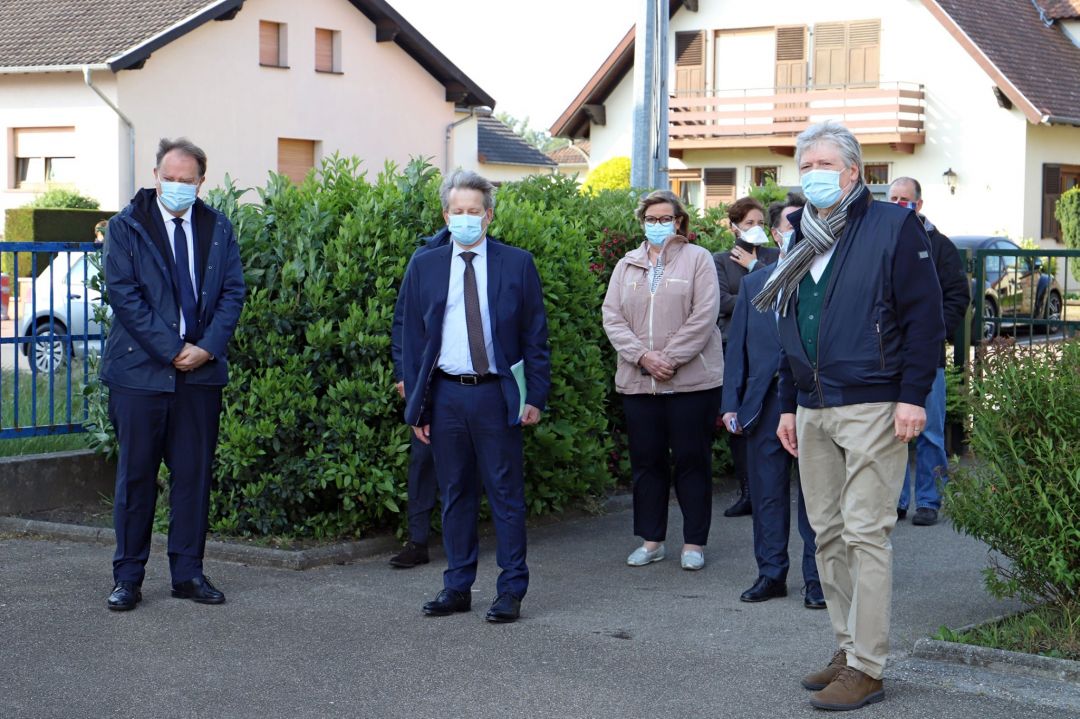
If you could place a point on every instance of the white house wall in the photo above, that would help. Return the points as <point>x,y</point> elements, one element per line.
<point>1057,145</point>
<point>63,100</point>
<point>209,86</point>
<point>999,181</point>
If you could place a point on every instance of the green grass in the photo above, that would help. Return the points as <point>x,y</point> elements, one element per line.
<point>27,418</point>
<point>1048,630</point>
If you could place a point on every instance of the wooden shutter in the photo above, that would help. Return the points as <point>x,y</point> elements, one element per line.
<point>1051,192</point>
<point>689,62</point>
<point>719,186</point>
<point>295,158</point>
<point>324,50</point>
<point>830,54</point>
<point>864,53</point>
<point>269,43</point>
<point>791,63</point>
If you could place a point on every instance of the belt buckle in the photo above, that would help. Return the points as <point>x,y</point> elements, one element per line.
<point>470,379</point>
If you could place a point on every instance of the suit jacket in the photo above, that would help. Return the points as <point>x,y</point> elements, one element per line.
<point>753,354</point>
<point>140,279</point>
<point>518,326</point>
<point>729,274</point>
<point>439,239</point>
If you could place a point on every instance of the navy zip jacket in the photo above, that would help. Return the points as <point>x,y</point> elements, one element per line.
<point>140,277</point>
<point>881,326</point>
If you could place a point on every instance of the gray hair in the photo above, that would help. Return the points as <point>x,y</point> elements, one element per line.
<point>467,180</point>
<point>185,146</point>
<point>838,135</point>
<point>914,183</point>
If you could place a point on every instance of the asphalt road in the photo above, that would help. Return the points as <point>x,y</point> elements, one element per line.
<point>597,639</point>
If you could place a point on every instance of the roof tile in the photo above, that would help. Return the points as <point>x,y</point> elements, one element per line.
<point>498,144</point>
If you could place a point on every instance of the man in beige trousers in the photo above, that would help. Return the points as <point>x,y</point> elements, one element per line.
<point>859,313</point>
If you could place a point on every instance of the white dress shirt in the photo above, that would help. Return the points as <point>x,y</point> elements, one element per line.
<point>817,267</point>
<point>170,228</point>
<point>454,357</point>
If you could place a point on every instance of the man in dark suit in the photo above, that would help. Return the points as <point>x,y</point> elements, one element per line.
<point>751,407</point>
<point>747,218</point>
<point>176,288</point>
<point>474,319</point>
<point>422,486</point>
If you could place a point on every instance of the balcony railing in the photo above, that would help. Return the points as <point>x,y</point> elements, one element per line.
<point>887,114</point>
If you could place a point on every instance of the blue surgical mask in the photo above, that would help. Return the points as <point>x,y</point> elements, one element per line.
<point>785,240</point>
<point>177,196</point>
<point>466,229</point>
<point>658,233</point>
<point>822,187</point>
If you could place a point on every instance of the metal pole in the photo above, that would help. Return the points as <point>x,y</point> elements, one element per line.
<point>648,160</point>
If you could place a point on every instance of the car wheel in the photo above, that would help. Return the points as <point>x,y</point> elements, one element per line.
<point>1053,314</point>
<point>990,326</point>
<point>46,352</point>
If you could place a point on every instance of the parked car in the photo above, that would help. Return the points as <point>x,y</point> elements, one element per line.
<point>1015,291</point>
<point>73,302</point>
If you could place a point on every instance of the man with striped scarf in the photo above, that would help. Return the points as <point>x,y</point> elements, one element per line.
<point>860,319</point>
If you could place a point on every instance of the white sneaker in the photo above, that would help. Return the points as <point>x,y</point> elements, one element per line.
<point>641,556</point>
<point>693,560</point>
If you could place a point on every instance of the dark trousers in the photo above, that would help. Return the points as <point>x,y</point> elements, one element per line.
<point>769,467</point>
<point>472,444</point>
<point>422,488</point>
<point>180,428</point>
<point>671,443</point>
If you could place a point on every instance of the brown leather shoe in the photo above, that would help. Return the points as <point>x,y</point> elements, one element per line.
<point>851,689</point>
<point>821,679</point>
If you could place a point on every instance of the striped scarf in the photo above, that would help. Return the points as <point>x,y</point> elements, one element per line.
<point>820,235</point>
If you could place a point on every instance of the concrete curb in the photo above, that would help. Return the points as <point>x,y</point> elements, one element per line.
<point>1062,670</point>
<point>252,555</point>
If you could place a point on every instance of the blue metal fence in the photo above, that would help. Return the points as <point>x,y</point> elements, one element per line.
<point>50,337</point>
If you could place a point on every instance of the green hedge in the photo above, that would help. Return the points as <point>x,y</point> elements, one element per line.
<point>1067,212</point>
<point>30,224</point>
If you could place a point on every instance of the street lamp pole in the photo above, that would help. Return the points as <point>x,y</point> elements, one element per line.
<point>649,158</point>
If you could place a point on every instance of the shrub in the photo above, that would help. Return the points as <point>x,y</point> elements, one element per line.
<point>59,198</point>
<point>768,193</point>
<point>613,174</point>
<point>312,439</point>
<point>27,224</point>
<point>1067,212</point>
<point>1021,493</point>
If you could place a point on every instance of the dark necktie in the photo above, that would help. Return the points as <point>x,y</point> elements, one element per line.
<point>474,325</point>
<point>183,277</point>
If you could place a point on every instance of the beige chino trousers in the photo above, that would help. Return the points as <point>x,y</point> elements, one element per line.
<point>852,469</point>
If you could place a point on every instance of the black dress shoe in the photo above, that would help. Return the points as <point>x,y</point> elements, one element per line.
<point>198,589</point>
<point>763,590</point>
<point>505,609</point>
<point>412,555</point>
<point>901,513</point>
<point>742,506</point>
<point>813,597</point>
<point>447,602</point>
<point>924,517</point>
<point>125,595</point>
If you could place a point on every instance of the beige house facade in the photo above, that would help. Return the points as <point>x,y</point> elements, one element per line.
<point>978,101</point>
<point>261,85</point>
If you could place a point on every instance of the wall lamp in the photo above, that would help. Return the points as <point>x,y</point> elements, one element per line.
<point>950,180</point>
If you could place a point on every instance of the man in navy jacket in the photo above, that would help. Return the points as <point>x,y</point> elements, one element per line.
<point>861,327</point>
<point>176,289</point>
<point>474,316</point>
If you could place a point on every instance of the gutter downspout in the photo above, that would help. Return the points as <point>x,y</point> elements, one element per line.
<point>127,121</point>
<point>449,132</point>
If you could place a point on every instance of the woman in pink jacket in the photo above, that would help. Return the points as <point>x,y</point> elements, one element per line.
<point>660,316</point>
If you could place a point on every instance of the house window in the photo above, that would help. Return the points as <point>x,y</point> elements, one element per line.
<point>43,156</point>
<point>761,175</point>
<point>327,50</point>
<point>273,44</point>
<point>719,186</point>
<point>847,54</point>
<point>876,173</point>
<point>295,158</point>
<point>687,185</point>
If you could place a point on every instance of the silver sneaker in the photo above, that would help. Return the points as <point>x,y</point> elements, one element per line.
<point>641,556</point>
<point>693,560</point>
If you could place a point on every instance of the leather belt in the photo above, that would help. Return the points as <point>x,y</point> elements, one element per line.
<point>469,380</point>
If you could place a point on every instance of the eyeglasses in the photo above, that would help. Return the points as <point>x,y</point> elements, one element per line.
<point>665,219</point>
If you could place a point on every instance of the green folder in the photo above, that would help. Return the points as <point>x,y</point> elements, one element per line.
<point>518,370</point>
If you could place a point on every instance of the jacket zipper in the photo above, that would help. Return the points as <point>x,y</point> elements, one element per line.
<point>817,357</point>
<point>880,344</point>
<point>651,296</point>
